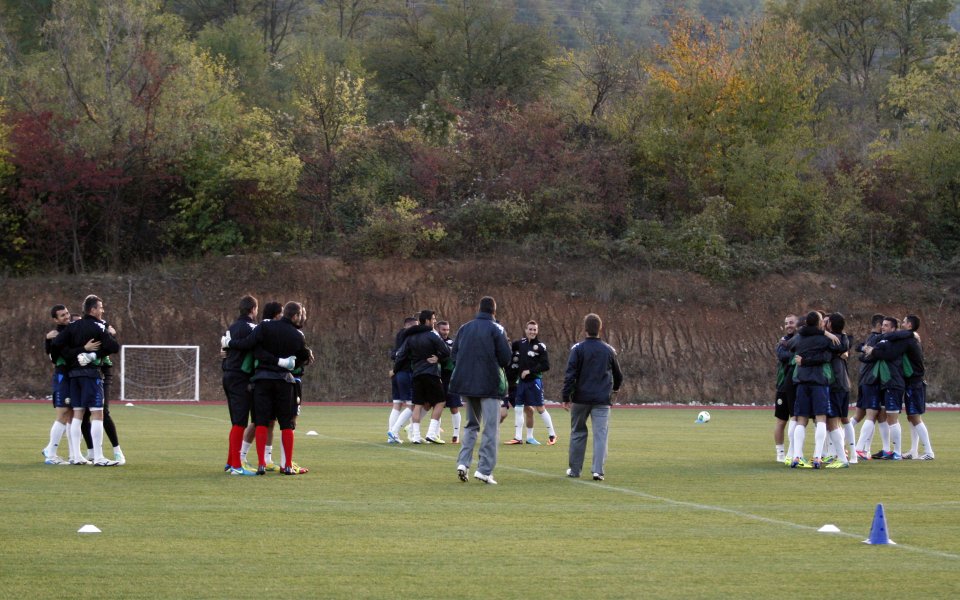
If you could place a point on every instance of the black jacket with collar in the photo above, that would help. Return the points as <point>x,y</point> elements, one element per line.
<point>420,343</point>
<point>69,344</point>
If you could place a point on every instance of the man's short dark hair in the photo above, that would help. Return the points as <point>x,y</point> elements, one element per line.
<point>893,321</point>
<point>837,322</point>
<point>272,310</point>
<point>813,318</point>
<point>441,323</point>
<point>914,321</point>
<point>488,305</point>
<point>876,320</point>
<point>90,303</point>
<point>55,309</point>
<point>425,315</point>
<point>292,309</point>
<point>248,304</point>
<point>409,321</point>
<point>592,324</point>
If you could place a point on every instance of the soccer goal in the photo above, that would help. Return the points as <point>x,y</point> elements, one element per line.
<point>161,373</point>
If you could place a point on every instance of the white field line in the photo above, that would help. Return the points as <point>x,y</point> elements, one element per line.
<point>603,487</point>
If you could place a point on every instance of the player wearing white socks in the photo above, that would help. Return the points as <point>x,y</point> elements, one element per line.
<point>533,361</point>
<point>400,385</point>
<point>869,394</point>
<point>786,391</point>
<point>839,391</point>
<point>60,385</point>
<point>422,350</point>
<point>454,403</point>
<point>813,349</point>
<point>915,400</point>
<point>889,353</point>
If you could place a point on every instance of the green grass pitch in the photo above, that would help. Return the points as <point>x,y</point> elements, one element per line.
<point>686,511</point>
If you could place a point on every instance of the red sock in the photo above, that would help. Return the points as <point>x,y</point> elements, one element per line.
<point>236,438</point>
<point>261,444</point>
<point>286,438</point>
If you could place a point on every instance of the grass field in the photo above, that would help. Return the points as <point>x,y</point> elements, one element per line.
<point>686,511</point>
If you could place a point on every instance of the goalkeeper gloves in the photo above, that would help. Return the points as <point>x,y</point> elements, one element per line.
<point>85,358</point>
<point>287,363</point>
<point>225,341</point>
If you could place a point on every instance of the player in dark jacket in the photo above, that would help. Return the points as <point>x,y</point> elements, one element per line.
<point>279,348</point>
<point>786,390</point>
<point>86,385</point>
<point>813,348</point>
<point>837,417</point>
<point>889,353</point>
<point>533,362</point>
<point>60,386</point>
<point>401,385</point>
<point>236,382</point>
<point>423,350</point>
<point>869,395</point>
<point>915,393</point>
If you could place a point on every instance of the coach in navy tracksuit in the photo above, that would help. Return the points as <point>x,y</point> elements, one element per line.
<point>481,352</point>
<point>280,347</point>
<point>83,369</point>
<point>592,377</point>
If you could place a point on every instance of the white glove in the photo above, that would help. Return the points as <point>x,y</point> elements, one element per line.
<point>225,341</point>
<point>85,358</point>
<point>287,363</point>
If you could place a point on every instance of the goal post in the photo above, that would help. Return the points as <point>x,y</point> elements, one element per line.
<point>159,373</point>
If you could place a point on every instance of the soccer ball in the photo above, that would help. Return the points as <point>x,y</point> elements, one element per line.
<point>703,417</point>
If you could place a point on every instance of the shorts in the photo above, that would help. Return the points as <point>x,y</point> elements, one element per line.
<point>869,398</point>
<point>783,408</point>
<point>61,390</point>
<point>454,401</point>
<point>402,386</point>
<point>274,399</point>
<point>239,398</point>
<point>839,403</point>
<point>530,393</point>
<point>893,400</point>
<point>812,400</point>
<point>428,391</point>
<point>86,392</point>
<point>915,398</point>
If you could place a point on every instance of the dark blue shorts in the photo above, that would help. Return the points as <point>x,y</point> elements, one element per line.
<point>402,386</point>
<point>893,400</point>
<point>839,403</point>
<point>869,398</point>
<point>61,390</point>
<point>812,400</point>
<point>86,392</point>
<point>454,401</point>
<point>530,393</point>
<point>915,399</point>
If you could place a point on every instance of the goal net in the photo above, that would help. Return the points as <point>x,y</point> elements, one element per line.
<point>160,373</point>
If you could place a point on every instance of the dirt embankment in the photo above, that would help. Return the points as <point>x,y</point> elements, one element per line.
<point>680,338</point>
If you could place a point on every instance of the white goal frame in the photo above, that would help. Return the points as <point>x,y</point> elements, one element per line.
<point>123,373</point>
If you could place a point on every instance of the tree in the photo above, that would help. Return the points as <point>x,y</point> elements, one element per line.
<point>602,67</point>
<point>920,30</point>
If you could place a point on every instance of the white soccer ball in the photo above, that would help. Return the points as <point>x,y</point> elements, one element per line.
<point>703,417</point>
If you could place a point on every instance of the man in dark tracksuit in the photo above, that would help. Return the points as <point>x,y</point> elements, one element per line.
<point>868,392</point>
<point>60,386</point>
<point>236,383</point>
<point>592,377</point>
<point>423,350</point>
<point>454,403</point>
<point>786,389</point>
<point>915,393</point>
<point>889,353</point>
<point>401,387</point>
<point>813,349</point>
<point>838,411</point>
<point>83,369</point>
<point>279,348</point>
<point>481,352</point>
<point>533,362</point>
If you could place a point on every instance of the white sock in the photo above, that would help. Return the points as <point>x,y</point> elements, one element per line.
<point>456,424</point>
<point>73,438</point>
<point>548,423</point>
<point>799,436</point>
<point>791,425</point>
<point>415,431</point>
<point>404,416</point>
<point>518,422</point>
<point>820,437</point>
<point>914,440</point>
<point>850,439</point>
<point>434,430</point>
<point>884,428</point>
<point>924,435</point>
<point>96,432</point>
<point>268,454</point>
<point>56,433</point>
<point>836,436</point>
<point>895,438</point>
<point>244,448</point>
<point>394,414</point>
<point>866,436</point>
<point>780,454</point>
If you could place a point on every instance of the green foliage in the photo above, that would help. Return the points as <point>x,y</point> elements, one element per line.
<point>402,230</point>
<point>481,223</point>
<point>239,42</point>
